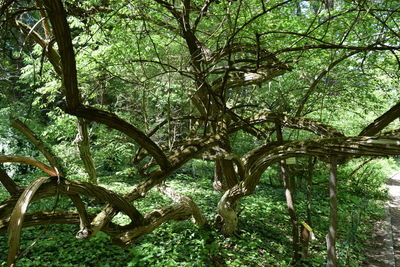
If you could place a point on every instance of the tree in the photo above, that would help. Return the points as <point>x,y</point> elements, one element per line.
<point>120,59</point>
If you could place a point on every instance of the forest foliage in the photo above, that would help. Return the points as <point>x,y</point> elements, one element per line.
<point>232,113</point>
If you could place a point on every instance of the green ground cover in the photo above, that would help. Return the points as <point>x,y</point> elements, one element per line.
<point>263,240</point>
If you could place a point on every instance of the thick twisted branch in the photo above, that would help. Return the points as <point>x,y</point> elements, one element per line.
<point>259,159</point>
<point>59,217</point>
<point>61,30</point>
<point>177,159</point>
<point>300,123</point>
<point>382,121</point>
<point>68,187</point>
<point>8,183</point>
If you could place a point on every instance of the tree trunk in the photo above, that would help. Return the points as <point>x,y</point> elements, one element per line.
<point>219,183</point>
<point>289,185</point>
<point>225,176</point>
<point>306,234</point>
<point>331,237</point>
<point>311,164</point>
<point>82,139</point>
<point>290,202</point>
<point>227,219</point>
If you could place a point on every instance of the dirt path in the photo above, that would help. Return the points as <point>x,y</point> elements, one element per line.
<point>385,248</point>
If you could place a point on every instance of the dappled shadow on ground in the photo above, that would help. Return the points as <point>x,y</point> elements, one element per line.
<point>385,242</point>
<point>395,220</point>
<point>392,181</point>
<point>384,247</point>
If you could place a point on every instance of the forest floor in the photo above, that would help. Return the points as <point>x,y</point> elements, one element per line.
<point>384,248</point>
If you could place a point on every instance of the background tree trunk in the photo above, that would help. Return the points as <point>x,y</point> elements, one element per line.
<point>83,141</point>
<point>290,202</point>
<point>311,163</point>
<point>331,237</point>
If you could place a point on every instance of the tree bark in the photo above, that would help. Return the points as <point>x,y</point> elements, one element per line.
<point>17,218</point>
<point>84,223</point>
<point>82,139</point>
<point>381,122</point>
<point>29,161</point>
<point>219,183</point>
<point>311,163</point>
<point>300,123</point>
<point>227,219</point>
<point>290,202</point>
<point>59,217</point>
<point>225,175</point>
<point>58,19</point>
<point>179,198</point>
<point>308,235</point>
<point>8,183</point>
<point>257,160</point>
<point>331,237</point>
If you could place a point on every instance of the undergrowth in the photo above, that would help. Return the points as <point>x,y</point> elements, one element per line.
<point>264,230</point>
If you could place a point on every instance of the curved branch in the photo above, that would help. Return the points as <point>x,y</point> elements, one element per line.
<point>68,187</point>
<point>24,129</point>
<point>176,212</point>
<point>84,223</point>
<point>29,161</point>
<point>17,218</point>
<point>8,183</point>
<point>300,123</point>
<point>76,187</point>
<point>179,198</point>
<point>259,159</point>
<point>43,218</point>
<point>245,78</point>
<point>372,47</point>
<point>58,18</point>
<point>113,121</point>
<point>59,217</point>
<point>177,159</point>
<point>183,208</point>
